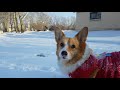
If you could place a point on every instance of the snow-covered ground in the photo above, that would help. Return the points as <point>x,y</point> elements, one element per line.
<point>33,54</point>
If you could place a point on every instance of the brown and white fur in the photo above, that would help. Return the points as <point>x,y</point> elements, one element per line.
<point>71,52</point>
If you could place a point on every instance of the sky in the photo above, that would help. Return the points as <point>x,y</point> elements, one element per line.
<point>62,14</point>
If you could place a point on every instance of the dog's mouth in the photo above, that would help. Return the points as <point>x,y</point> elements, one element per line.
<point>64,57</point>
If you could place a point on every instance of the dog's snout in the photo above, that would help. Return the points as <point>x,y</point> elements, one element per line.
<point>64,53</point>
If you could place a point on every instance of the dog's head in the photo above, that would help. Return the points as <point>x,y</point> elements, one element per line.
<point>70,50</point>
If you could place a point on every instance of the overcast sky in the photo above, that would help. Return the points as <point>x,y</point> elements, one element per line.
<point>63,14</point>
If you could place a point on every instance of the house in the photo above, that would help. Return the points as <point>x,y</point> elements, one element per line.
<point>98,20</point>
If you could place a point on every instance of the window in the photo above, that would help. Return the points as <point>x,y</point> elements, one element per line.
<point>95,15</point>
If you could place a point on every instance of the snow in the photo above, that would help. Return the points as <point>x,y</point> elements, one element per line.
<point>33,54</point>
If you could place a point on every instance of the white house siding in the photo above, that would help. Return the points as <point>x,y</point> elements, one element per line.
<point>109,20</point>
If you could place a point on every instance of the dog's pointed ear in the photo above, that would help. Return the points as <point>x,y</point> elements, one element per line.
<point>82,34</point>
<point>58,34</point>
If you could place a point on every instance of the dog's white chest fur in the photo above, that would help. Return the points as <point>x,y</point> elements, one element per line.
<point>68,69</point>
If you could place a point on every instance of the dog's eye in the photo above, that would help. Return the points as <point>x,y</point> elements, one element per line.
<point>73,46</point>
<point>62,44</point>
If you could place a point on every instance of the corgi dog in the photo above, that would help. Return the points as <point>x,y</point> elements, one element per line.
<point>74,56</point>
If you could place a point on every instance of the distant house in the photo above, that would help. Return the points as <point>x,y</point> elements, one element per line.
<point>98,20</point>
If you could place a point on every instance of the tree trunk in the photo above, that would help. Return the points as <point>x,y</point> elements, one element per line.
<point>16,23</point>
<point>21,26</point>
<point>11,21</point>
<point>5,26</point>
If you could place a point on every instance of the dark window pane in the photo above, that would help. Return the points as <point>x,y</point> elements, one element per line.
<point>95,15</point>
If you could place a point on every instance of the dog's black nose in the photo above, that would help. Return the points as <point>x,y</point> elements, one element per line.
<point>64,53</point>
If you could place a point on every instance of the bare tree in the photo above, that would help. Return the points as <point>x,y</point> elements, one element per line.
<point>22,16</point>
<point>29,20</point>
<point>13,20</point>
<point>16,22</point>
<point>63,22</point>
<point>5,21</point>
<point>22,21</point>
<point>41,21</point>
<point>72,23</point>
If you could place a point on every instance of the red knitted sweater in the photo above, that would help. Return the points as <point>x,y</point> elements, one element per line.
<point>85,70</point>
<point>109,67</point>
